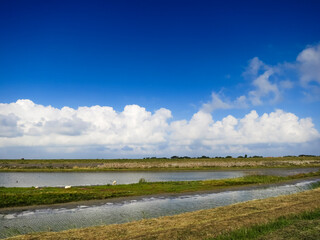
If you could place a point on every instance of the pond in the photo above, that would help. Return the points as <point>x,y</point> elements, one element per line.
<point>58,179</point>
<point>56,219</point>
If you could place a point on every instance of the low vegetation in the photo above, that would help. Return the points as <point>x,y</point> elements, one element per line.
<point>158,164</point>
<point>305,225</point>
<point>12,197</point>
<point>284,217</point>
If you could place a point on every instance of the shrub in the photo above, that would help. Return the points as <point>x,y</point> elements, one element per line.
<point>142,180</point>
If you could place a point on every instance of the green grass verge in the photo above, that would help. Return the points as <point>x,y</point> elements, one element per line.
<point>12,197</point>
<point>278,229</point>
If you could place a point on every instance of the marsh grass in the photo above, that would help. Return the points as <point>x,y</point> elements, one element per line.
<point>315,185</point>
<point>154,164</point>
<point>12,197</point>
<point>142,180</point>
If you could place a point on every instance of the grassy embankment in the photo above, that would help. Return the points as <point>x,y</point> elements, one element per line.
<point>155,164</point>
<point>305,225</point>
<point>270,218</point>
<point>12,197</point>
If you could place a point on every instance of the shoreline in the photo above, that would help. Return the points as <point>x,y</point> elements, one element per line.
<point>69,205</point>
<point>169,169</point>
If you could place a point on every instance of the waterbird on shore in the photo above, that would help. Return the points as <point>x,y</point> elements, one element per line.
<point>114,182</point>
<point>67,187</point>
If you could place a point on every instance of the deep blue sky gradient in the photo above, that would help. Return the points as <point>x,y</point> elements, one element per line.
<point>170,54</point>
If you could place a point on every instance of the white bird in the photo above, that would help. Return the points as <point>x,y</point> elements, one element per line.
<point>114,182</point>
<point>67,187</point>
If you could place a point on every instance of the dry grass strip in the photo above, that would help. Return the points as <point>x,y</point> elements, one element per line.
<point>208,164</point>
<point>196,225</point>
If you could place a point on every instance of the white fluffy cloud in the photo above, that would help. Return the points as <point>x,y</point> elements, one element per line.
<point>46,126</point>
<point>309,65</point>
<point>219,101</point>
<point>24,124</point>
<point>9,127</point>
<point>268,83</point>
<point>215,103</point>
<point>263,89</point>
<point>276,127</point>
<point>255,67</point>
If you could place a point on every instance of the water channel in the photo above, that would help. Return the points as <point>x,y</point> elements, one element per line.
<point>53,179</point>
<point>56,219</point>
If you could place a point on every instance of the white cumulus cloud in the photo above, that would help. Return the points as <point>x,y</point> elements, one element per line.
<point>215,103</point>
<point>276,127</point>
<point>38,125</point>
<point>136,131</point>
<point>218,101</point>
<point>263,89</point>
<point>309,65</point>
<point>270,82</point>
<point>9,127</point>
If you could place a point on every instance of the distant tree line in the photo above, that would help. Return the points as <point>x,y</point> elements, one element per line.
<point>203,157</point>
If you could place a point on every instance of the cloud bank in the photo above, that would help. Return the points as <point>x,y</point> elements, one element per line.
<point>102,131</point>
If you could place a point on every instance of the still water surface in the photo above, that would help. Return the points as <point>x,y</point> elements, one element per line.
<point>53,179</point>
<point>120,212</point>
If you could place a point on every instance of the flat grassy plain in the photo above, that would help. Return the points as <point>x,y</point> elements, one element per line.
<point>296,210</point>
<point>13,197</point>
<point>155,164</point>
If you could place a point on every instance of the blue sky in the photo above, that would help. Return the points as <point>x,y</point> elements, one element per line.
<point>176,55</point>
